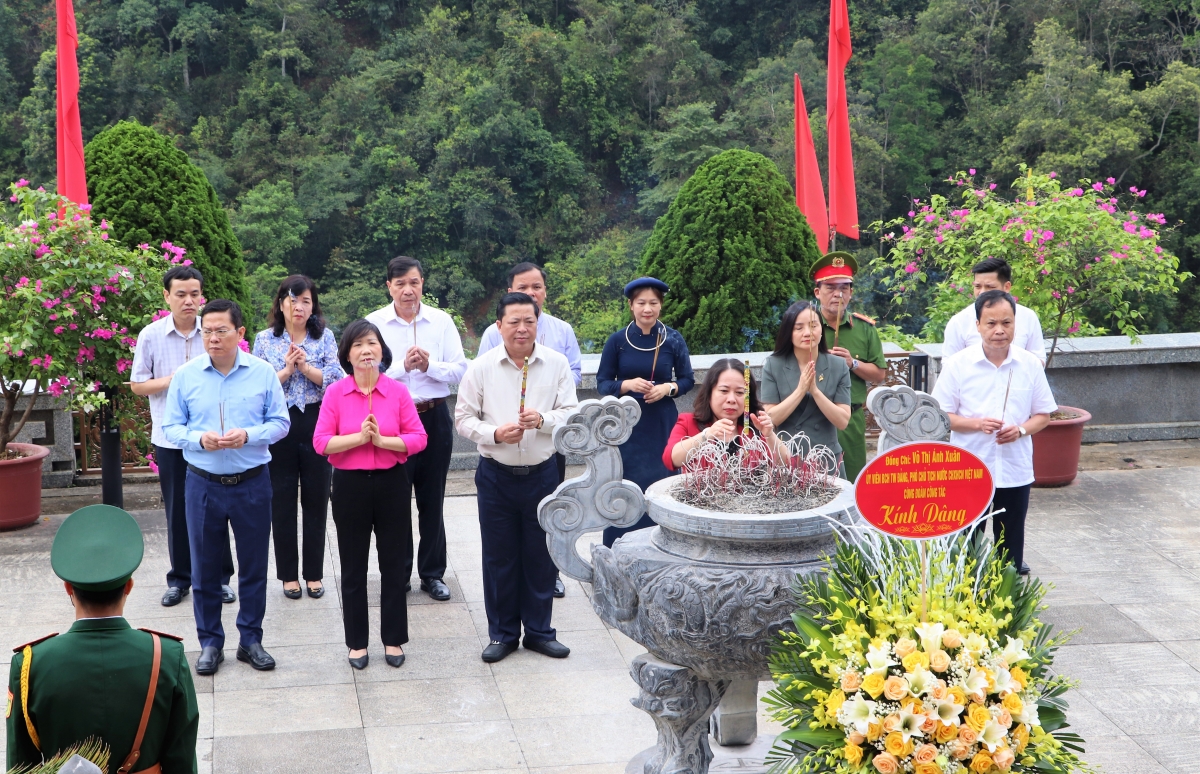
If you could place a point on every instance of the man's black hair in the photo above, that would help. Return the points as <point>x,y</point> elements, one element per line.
<point>99,599</point>
<point>181,273</point>
<point>523,267</point>
<point>515,299</point>
<point>218,305</point>
<point>999,266</point>
<point>401,265</point>
<point>990,297</point>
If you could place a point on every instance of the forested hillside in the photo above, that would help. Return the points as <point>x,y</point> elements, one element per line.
<point>476,134</point>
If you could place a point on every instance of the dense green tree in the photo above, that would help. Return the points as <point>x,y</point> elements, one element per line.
<point>734,248</point>
<point>150,192</point>
<point>585,287</point>
<point>268,223</point>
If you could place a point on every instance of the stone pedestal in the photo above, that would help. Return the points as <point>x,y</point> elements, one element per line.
<point>735,721</point>
<point>50,425</point>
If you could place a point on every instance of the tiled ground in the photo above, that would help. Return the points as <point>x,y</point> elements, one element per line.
<point>1121,547</point>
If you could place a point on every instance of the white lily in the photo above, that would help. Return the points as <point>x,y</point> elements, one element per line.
<point>931,636</point>
<point>857,712</point>
<point>878,660</point>
<point>1014,652</point>
<point>1004,681</point>
<point>976,681</point>
<point>975,643</point>
<point>920,681</point>
<point>1028,714</point>
<point>948,712</point>
<point>992,735</point>
<point>910,723</point>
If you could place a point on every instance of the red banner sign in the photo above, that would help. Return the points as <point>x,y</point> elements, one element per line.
<point>923,490</point>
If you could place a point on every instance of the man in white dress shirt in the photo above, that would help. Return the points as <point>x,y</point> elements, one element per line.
<point>516,470</point>
<point>428,358</point>
<point>961,331</point>
<point>997,397</point>
<point>558,335</point>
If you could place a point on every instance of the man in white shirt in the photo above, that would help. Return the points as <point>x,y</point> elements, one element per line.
<point>961,331</point>
<point>162,347</point>
<point>509,403</point>
<point>428,358</point>
<point>558,335</point>
<point>997,397</point>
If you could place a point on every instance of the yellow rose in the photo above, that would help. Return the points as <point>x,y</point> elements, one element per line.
<point>909,701</point>
<point>981,762</point>
<point>915,659</point>
<point>895,688</point>
<point>957,694</point>
<point>894,743</point>
<point>1013,703</point>
<point>939,661</point>
<point>1020,737</point>
<point>904,646</point>
<point>927,768</point>
<point>873,684</point>
<point>834,702</point>
<point>952,638</point>
<point>1019,677</point>
<point>854,754</point>
<point>944,734</point>
<point>851,682</point>
<point>875,730</point>
<point>978,717</point>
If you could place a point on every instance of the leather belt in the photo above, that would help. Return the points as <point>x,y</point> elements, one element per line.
<point>227,480</point>
<point>425,405</point>
<point>521,470</point>
<point>855,407</point>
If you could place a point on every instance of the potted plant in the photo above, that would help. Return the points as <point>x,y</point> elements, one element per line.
<point>1073,250</point>
<point>70,300</point>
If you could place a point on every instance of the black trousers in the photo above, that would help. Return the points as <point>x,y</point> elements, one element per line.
<point>427,472</point>
<point>294,461</point>
<point>364,501</point>
<point>518,574</point>
<point>1010,525</point>
<point>172,480</point>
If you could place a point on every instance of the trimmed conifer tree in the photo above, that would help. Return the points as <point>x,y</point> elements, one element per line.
<point>149,191</point>
<point>735,250</point>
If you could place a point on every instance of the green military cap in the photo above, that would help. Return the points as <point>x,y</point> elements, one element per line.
<point>97,548</point>
<point>836,265</point>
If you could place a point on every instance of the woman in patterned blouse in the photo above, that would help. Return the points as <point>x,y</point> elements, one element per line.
<point>304,354</point>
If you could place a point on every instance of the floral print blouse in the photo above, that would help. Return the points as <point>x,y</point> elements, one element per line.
<point>321,353</point>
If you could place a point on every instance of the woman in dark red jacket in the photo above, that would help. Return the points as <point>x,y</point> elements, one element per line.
<point>719,412</point>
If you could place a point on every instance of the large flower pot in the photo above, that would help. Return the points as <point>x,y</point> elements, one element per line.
<point>1056,449</point>
<point>21,485</point>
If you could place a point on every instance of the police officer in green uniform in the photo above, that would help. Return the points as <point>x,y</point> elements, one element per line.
<point>95,680</point>
<point>853,338</point>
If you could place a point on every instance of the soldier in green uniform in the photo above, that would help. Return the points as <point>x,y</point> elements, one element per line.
<point>96,680</point>
<point>853,338</point>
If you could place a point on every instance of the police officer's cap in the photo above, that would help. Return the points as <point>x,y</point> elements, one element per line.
<point>836,265</point>
<point>97,548</point>
<point>645,282</point>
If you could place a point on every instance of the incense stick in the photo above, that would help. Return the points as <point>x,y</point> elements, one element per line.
<point>524,382</point>
<point>1004,408</point>
<point>746,425</point>
<point>658,340</point>
<point>221,410</point>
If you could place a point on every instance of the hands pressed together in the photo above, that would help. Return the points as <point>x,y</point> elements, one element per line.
<point>416,359</point>
<point>234,439</point>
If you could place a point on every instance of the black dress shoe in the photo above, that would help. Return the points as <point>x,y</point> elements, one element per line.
<point>254,655</point>
<point>173,596</point>
<point>496,651</point>
<point>1024,569</point>
<point>560,590</point>
<point>318,592</point>
<point>227,595</point>
<point>551,648</point>
<point>394,661</point>
<point>210,659</point>
<point>289,593</point>
<point>436,589</point>
<point>360,662</point>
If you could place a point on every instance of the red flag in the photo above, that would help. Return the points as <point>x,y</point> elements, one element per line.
<point>72,180</point>
<point>810,194</point>
<point>843,207</point>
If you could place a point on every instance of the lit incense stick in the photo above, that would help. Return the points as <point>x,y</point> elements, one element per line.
<point>746,427</point>
<point>524,382</point>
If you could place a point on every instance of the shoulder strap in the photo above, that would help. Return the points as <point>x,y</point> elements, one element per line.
<point>136,752</point>
<point>27,659</point>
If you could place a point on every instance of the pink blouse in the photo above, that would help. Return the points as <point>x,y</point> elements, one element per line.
<point>343,411</point>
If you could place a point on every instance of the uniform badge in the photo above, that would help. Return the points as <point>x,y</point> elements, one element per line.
<point>838,262</point>
<point>8,707</point>
<point>821,378</point>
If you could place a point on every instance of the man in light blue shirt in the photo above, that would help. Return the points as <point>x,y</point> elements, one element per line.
<point>558,335</point>
<point>224,409</point>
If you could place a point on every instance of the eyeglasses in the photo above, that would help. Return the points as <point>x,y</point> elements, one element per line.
<point>220,333</point>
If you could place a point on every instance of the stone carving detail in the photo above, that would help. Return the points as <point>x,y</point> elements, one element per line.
<point>680,702</point>
<point>905,415</point>
<point>599,498</point>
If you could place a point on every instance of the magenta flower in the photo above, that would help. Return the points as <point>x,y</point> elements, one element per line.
<point>1112,181</point>
<point>991,186</point>
<point>911,268</point>
<point>1053,175</point>
<point>1074,328</point>
<point>22,183</point>
<point>1097,186</point>
<point>971,171</point>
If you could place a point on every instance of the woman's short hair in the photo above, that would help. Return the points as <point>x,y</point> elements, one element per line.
<point>783,339</point>
<point>352,333</point>
<point>702,408</point>
<point>294,286</point>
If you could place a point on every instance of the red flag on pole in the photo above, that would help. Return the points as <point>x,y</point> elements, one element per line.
<point>72,180</point>
<point>810,194</point>
<point>843,207</point>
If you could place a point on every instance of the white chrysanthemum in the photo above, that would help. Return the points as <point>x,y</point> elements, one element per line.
<point>931,636</point>
<point>920,681</point>
<point>878,660</point>
<point>1014,652</point>
<point>948,713</point>
<point>992,735</point>
<point>857,712</point>
<point>910,723</point>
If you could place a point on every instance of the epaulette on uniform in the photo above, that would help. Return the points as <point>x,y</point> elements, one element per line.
<point>175,637</point>
<point>20,648</point>
<point>864,318</point>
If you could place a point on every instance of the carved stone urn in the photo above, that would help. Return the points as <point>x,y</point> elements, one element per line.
<point>704,591</point>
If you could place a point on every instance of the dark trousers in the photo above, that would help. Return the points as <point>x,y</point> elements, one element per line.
<point>172,478</point>
<point>427,472</point>
<point>212,509</point>
<point>1010,525</point>
<point>365,501</point>
<point>518,574</point>
<point>293,461</point>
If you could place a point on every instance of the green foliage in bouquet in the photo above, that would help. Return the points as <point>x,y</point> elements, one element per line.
<point>891,672</point>
<point>92,749</point>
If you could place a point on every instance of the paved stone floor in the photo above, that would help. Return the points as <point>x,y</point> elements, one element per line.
<point>1121,546</point>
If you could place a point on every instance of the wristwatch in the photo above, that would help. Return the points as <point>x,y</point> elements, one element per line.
<point>1022,431</point>
<point>854,364</point>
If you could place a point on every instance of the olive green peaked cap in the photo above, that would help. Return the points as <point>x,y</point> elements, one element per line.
<point>97,548</point>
